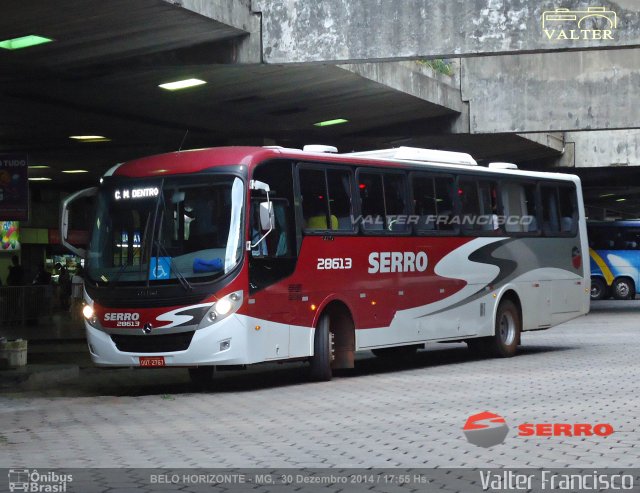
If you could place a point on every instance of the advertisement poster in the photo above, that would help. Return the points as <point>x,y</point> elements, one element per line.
<point>9,236</point>
<point>14,188</point>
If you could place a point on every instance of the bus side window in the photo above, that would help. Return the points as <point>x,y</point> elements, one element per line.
<point>372,201</point>
<point>479,205</point>
<point>631,239</point>
<point>520,208</point>
<point>326,199</point>
<point>559,212</point>
<point>315,210</point>
<point>550,212</point>
<point>339,194</point>
<point>568,210</point>
<point>433,202</point>
<point>383,201</point>
<point>395,199</point>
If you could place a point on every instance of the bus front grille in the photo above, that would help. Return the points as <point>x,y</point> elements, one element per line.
<point>163,343</point>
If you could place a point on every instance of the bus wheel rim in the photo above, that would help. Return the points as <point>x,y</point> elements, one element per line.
<point>623,289</point>
<point>507,327</point>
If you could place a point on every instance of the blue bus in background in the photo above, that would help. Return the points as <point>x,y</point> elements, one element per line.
<point>614,250</point>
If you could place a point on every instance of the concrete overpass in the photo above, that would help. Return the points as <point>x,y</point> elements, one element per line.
<point>365,30</point>
<point>100,75</point>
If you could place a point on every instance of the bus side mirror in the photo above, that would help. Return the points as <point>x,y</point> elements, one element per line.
<point>64,219</point>
<point>266,216</point>
<point>265,212</point>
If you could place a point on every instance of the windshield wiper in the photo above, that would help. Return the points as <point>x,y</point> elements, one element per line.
<point>161,249</point>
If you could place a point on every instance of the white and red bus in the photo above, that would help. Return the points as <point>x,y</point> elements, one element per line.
<point>241,255</point>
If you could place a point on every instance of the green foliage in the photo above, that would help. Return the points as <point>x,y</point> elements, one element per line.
<point>439,65</point>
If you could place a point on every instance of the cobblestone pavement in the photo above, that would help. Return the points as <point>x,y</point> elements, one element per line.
<point>382,414</point>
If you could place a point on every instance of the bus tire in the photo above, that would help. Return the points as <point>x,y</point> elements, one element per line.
<point>508,325</point>
<point>320,370</point>
<point>623,289</point>
<point>478,346</point>
<point>598,289</point>
<point>202,376</point>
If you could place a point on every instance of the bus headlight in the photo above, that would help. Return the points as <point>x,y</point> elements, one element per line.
<point>222,308</point>
<point>87,311</point>
<point>89,314</point>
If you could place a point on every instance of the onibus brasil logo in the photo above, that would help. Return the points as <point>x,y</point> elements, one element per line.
<point>31,480</point>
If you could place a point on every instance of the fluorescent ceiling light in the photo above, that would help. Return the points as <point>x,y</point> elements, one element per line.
<point>39,166</point>
<point>90,138</point>
<point>39,178</point>
<point>72,171</point>
<point>23,42</point>
<point>328,123</point>
<point>620,200</point>
<point>182,84</point>
<point>607,195</point>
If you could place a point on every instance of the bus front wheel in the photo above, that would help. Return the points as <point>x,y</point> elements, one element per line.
<point>323,351</point>
<point>598,289</point>
<point>623,289</point>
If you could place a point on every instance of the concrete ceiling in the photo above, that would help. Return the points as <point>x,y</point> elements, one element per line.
<point>100,76</point>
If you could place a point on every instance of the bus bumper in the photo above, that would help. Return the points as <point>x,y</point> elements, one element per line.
<point>232,341</point>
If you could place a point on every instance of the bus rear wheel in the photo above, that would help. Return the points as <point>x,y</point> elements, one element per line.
<point>598,289</point>
<point>323,351</point>
<point>623,289</point>
<point>504,343</point>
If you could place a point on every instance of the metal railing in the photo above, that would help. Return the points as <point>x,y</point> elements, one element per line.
<point>25,304</point>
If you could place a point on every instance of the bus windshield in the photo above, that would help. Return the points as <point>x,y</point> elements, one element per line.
<point>175,229</point>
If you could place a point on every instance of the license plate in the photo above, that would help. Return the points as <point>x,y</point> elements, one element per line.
<point>151,361</point>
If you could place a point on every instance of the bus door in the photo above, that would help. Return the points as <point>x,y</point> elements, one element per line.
<point>270,261</point>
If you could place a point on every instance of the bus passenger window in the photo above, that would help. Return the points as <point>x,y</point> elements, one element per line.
<point>315,210</point>
<point>383,202</point>
<point>372,201</point>
<point>568,211</point>
<point>339,193</point>
<point>479,205</point>
<point>520,211</point>
<point>560,215</point>
<point>395,195</point>
<point>550,212</point>
<point>326,199</point>
<point>433,203</point>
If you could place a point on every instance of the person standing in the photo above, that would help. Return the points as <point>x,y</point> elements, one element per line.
<point>77,294</point>
<point>42,277</point>
<point>64,281</point>
<point>16,273</point>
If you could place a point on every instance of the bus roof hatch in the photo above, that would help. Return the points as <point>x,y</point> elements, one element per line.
<point>419,154</point>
